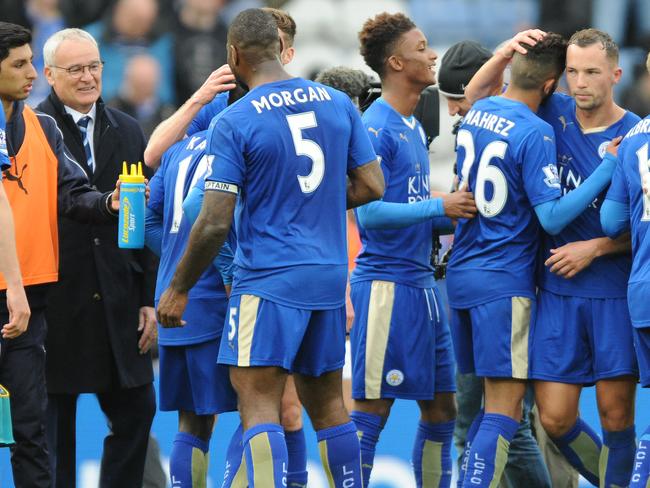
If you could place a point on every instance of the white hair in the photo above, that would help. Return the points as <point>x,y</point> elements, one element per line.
<point>55,40</point>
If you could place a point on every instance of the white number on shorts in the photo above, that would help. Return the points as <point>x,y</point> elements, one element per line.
<point>644,173</point>
<point>306,147</point>
<point>486,172</point>
<point>231,323</point>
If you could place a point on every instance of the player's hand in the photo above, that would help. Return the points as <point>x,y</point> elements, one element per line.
<point>171,307</point>
<point>19,312</point>
<point>612,147</point>
<point>115,196</point>
<point>528,37</point>
<point>147,325</point>
<point>220,80</point>
<point>568,260</point>
<point>460,204</point>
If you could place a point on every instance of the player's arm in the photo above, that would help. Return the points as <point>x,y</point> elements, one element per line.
<point>175,127</point>
<point>392,215</point>
<point>207,236</point>
<point>16,299</point>
<point>570,259</point>
<point>365,184</point>
<point>614,217</point>
<point>556,214</point>
<point>489,78</point>
<point>153,231</point>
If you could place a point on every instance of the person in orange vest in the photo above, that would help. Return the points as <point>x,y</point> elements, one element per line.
<point>42,182</point>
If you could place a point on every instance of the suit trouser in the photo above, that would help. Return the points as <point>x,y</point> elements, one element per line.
<point>129,412</point>
<point>22,372</point>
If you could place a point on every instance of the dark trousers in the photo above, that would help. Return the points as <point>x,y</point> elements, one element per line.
<point>129,412</point>
<point>22,372</point>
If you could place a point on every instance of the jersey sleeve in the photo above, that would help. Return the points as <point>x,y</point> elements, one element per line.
<point>227,146</point>
<point>156,201</point>
<point>206,114</point>
<point>361,150</point>
<point>618,188</point>
<point>539,169</point>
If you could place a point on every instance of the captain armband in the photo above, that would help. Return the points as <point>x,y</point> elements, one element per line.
<point>221,186</point>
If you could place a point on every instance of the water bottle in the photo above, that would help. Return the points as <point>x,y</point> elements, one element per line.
<point>130,232</point>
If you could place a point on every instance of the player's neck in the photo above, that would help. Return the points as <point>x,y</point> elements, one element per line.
<point>530,98</point>
<point>8,107</point>
<point>403,98</point>
<point>266,72</point>
<point>603,116</point>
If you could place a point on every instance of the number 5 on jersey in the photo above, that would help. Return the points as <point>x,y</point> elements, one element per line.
<point>306,147</point>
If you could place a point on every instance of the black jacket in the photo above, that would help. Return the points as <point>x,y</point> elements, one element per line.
<point>92,312</point>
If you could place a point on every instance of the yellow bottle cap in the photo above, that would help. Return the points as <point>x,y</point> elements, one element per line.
<point>135,176</point>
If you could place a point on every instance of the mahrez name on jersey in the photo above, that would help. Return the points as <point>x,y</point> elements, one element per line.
<point>285,97</point>
<point>486,120</point>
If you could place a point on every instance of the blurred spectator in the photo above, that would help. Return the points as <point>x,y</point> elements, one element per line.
<point>199,44</point>
<point>138,96</point>
<point>128,29</point>
<point>636,98</point>
<point>564,17</point>
<point>232,7</point>
<point>78,13</point>
<point>45,19</point>
<point>616,18</point>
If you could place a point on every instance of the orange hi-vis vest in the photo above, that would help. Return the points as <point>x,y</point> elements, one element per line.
<point>31,187</point>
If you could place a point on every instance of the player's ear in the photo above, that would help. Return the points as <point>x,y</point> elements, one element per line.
<point>49,75</point>
<point>233,55</point>
<point>618,72</point>
<point>549,86</point>
<point>395,63</point>
<point>287,55</point>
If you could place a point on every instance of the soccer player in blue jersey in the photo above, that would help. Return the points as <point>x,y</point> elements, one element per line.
<point>626,207</point>
<point>211,98</point>
<point>191,381</point>
<point>400,341</point>
<point>507,158</point>
<point>287,148</point>
<point>583,333</point>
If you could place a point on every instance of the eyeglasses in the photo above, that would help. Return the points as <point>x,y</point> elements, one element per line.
<point>77,70</point>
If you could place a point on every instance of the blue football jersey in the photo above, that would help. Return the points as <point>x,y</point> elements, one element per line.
<point>287,146</point>
<point>626,187</point>
<point>4,156</point>
<point>182,166</point>
<point>399,255</point>
<point>579,152</point>
<point>506,157</point>
<point>207,113</point>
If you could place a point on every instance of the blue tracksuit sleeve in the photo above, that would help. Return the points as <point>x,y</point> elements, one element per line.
<point>390,215</point>
<point>614,218</point>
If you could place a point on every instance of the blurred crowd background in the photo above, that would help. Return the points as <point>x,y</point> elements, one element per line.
<point>158,52</point>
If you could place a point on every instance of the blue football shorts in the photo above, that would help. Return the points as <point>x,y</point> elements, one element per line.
<point>492,340</point>
<point>642,348</point>
<point>191,380</point>
<point>259,332</point>
<point>400,341</point>
<point>582,340</point>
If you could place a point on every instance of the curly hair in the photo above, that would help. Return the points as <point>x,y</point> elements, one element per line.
<point>379,36</point>
<point>285,23</point>
<point>544,60</point>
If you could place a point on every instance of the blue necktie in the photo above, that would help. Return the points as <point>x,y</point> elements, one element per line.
<point>83,127</point>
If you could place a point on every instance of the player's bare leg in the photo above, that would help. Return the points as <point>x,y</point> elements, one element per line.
<point>337,436</point>
<point>291,420</point>
<point>615,397</point>
<point>557,404</point>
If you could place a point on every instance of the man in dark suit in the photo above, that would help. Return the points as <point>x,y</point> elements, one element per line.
<point>101,323</point>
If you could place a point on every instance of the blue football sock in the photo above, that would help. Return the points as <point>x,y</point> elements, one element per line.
<point>432,454</point>
<point>235,473</point>
<point>369,426</point>
<point>641,473</point>
<point>188,463</point>
<point>471,433</point>
<point>617,457</point>
<point>341,456</point>
<point>266,456</point>
<point>489,452</point>
<point>581,447</point>
<point>297,451</point>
